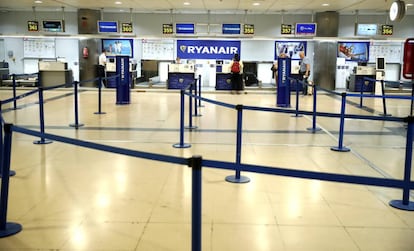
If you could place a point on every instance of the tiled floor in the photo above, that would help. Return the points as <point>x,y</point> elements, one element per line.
<point>70,198</point>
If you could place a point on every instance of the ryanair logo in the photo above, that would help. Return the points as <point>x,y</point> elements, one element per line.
<point>206,49</point>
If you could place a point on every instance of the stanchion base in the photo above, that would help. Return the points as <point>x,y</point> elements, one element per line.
<point>11,229</point>
<point>201,106</point>
<point>399,204</point>
<point>198,115</point>
<point>11,173</point>
<point>340,149</point>
<point>385,115</point>
<point>297,115</point>
<point>42,142</point>
<point>317,129</point>
<point>99,113</point>
<point>191,127</point>
<point>178,145</point>
<point>233,179</point>
<point>76,125</point>
<point>17,108</point>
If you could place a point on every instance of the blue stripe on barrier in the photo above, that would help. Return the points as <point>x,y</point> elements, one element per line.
<point>351,179</point>
<point>117,150</point>
<point>19,97</point>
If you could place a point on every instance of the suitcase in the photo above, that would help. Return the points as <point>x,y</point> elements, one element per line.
<point>250,79</point>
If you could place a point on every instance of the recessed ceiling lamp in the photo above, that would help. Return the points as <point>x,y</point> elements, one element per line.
<point>325,4</point>
<point>187,3</point>
<point>118,2</point>
<point>256,4</point>
<point>397,10</point>
<point>38,1</point>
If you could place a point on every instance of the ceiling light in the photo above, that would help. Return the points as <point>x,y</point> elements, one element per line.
<point>118,2</point>
<point>38,1</point>
<point>256,4</point>
<point>409,4</point>
<point>325,4</point>
<point>187,3</point>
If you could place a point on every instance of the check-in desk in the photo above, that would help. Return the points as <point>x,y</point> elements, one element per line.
<point>223,77</point>
<point>357,79</point>
<point>54,73</point>
<point>180,75</point>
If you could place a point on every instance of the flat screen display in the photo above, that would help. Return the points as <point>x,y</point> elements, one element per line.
<point>289,48</point>
<point>107,26</point>
<point>354,51</point>
<point>53,26</point>
<point>118,47</point>
<point>366,29</point>
<point>305,29</point>
<point>184,28</point>
<point>231,28</point>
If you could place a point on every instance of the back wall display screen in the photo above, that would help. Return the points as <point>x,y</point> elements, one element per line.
<point>118,47</point>
<point>354,51</point>
<point>289,48</point>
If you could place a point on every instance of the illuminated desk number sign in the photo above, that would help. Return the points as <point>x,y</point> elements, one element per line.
<point>32,25</point>
<point>387,30</point>
<point>126,28</point>
<point>286,29</point>
<point>167,29</point>
<point>248,29</point>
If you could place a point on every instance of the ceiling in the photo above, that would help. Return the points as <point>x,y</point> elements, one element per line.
<point>205,6</point>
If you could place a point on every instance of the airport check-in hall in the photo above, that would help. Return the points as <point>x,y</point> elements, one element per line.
<point>206,125</point>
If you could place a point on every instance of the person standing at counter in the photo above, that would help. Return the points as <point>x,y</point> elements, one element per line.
<point>236,69</point>
<point>304,71</point>
<point>102,67</point>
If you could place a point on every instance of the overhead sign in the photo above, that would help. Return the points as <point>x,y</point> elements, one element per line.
<point>305,29</point>
<point>108,26</point>
<point>126,28</point>
<point>207,49</point>
<point>167,29</point>
<point>185,28</point>
<point>387,29</point>
<point>286,29</point>
<point>248,29</point>
<point>32,26</point>
<point>233,29</point>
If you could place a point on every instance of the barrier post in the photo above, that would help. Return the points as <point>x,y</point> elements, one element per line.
<point>362,93</point>
<point>99,97</point>
<point>6,228</point>
<point>76,124</point>
<point>405,203</point>
<point>237,178</point>
<point>297,100</point>
<point>181,144</point>
<point>196,94</point>
<point>11,172</point>
<point>340,147</point>
<point>314,129</point>
<point>199,91</point>
<point>190,109</point>
<point>383,99</point>
<point>42,118</point>
<point>14,92</point>
<point>196,200</point>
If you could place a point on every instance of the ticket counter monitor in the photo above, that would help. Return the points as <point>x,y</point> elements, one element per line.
<point>283,82</point>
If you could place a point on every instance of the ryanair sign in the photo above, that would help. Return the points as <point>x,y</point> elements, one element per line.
<point>207,49</point>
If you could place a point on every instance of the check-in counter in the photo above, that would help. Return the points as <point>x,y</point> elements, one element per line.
<point>180,75</point>
<point>54,73</point>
